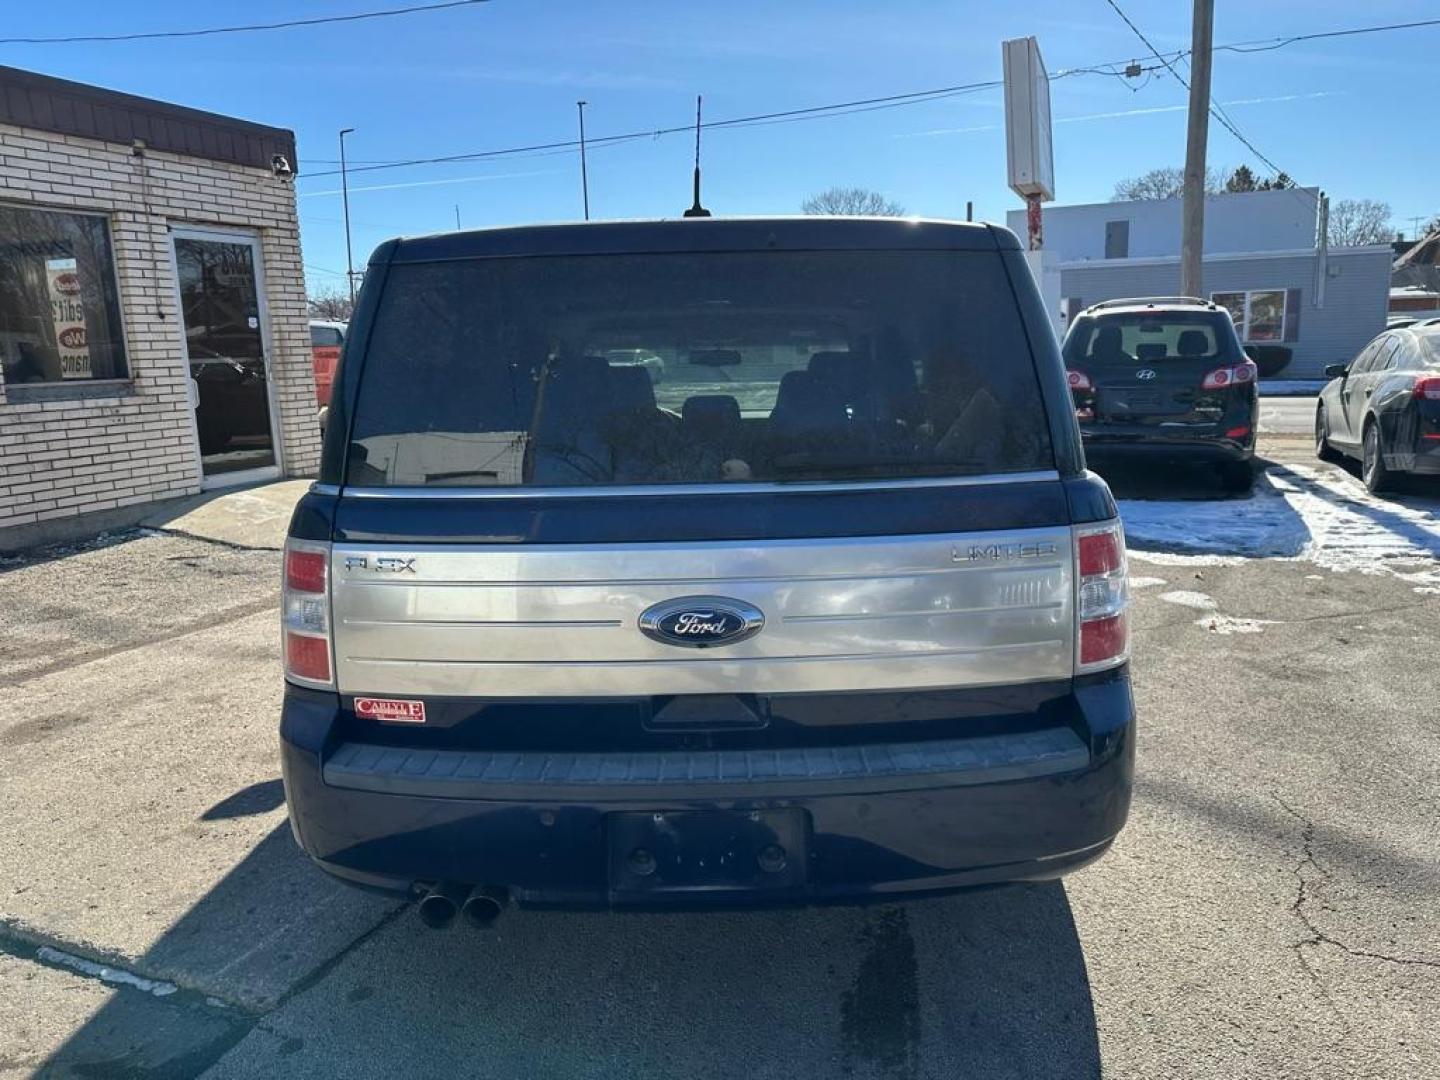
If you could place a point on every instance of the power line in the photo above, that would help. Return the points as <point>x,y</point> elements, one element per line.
<point>916,97</point>
<point>1219,115</point>
<point>287,25</point>
<point>810,112</point>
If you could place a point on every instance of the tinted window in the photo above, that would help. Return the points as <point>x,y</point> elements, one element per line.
<point>59,308</point>
<point>1366,360</point>
<point>697,369</point>
<point>325,335</point>
<point>1132,339</point>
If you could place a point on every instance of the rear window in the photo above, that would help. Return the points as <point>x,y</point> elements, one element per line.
<point>1132,339</point>
<point>704,369</point>
<point>325,335</point>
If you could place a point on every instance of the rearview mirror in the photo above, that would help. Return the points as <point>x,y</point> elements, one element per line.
<point>1336,371</point>
<point>716,357</point>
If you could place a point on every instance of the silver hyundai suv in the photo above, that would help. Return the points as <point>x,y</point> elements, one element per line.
<point>833,611</point>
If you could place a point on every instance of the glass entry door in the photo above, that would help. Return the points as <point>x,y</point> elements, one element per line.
<point>221,314</point>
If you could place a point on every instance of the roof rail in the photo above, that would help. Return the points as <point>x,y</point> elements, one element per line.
<point>1152,301</point>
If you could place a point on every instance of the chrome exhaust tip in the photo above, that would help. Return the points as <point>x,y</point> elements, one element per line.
<point>484,905</point>
<point>441,904</point>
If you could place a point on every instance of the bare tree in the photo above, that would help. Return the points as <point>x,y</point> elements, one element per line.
<point>329,304</point>
<point>1354,222</point>
<point>852,201</point>
<point>1167,183</point>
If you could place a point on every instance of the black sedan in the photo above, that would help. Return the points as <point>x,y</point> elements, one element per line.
<point>1384,407</point>
<point>1164,379</point>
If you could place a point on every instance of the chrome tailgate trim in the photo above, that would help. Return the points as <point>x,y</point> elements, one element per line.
<point>912,612</point>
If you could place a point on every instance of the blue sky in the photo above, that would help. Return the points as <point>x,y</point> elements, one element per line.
<point>1349,115</point>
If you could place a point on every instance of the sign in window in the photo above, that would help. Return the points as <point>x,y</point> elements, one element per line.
<point>59,304</point>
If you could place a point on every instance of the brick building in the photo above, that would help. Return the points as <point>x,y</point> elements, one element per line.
<point>153,326</point>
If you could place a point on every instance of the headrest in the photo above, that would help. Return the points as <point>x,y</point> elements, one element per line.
<point>1108,339</point>
<point>1193,343</point>
<point>710,409</point>
<point>833,365</point>
<point>631,388</point>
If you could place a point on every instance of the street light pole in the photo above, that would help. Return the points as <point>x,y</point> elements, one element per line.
<point>584,176</point>
<point>345,198</point>
<point>1192,233</point>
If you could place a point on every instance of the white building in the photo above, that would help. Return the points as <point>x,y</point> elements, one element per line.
<point>1263,261</point>
<point>153,324</point>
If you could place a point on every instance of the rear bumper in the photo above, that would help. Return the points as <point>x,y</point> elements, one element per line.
<point>877,820</point>
<point>1103,446</point>
<point>1426,461</point>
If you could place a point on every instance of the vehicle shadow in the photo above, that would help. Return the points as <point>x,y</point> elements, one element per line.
<point>1173,518</point>
<point>990,983</point>
<point>1138,480</point>
<point>1408,525</point>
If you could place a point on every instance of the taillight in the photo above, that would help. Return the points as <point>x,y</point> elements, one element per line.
<point>1101,596</point>
<point>1428,388</point>
<point>1078,380</point>
<point>1223,377</point>
<point>305,618</point>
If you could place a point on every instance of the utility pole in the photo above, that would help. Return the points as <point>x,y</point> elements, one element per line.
<point>584,176</point>
<point>457,217</point>
<point>345,197</point>
<point>1192,235</point>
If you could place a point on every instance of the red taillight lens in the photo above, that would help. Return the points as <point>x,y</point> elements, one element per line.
<point>1100,553</point>
<point>307,657</point>
<point>305,571</point>
<point>1078,380</point>
<point>1224,377</point>
<point>1101,596</point>
<point>1102,640</point>
<point>305,613</point>
<point>1428,388</point>
<point>1238,432</point>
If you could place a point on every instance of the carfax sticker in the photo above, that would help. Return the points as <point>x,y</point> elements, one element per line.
<point>394,710</point>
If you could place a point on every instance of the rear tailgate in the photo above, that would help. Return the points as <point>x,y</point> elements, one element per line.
<point>878,613</point>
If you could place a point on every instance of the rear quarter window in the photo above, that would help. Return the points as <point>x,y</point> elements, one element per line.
<point>696,369</point>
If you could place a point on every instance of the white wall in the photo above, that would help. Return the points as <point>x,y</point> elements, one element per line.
<point>1252,221</point>
<point>81,451</point>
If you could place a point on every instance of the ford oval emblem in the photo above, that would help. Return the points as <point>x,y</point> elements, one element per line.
<point>701,622</point>
<point>1145,373</point>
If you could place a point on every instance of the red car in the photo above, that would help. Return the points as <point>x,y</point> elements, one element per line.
<point>326,341</point>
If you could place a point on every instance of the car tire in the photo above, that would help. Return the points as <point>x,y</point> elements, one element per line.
<point>1323,450</point>
<point>1237,477</point>
<point>1377,477</point>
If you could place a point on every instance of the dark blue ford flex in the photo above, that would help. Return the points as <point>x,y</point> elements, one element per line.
<point>703,562</point>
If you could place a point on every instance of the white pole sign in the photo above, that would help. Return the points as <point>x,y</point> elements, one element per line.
<point>68,316</point>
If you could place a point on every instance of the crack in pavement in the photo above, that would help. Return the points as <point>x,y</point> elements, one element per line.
<point>219,618</point>
<point>1318,936</point>
<point>230,545</point>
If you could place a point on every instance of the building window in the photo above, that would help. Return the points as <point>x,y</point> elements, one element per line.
<point>59,304</point>
<point>1263,315</point>
<point>1117,239</point>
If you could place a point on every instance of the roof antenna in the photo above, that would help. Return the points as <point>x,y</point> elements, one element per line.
<point>696,210</point>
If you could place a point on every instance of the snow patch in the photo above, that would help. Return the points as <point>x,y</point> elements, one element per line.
<point>114,976</point>
<point>1197,600</point>
<point>1139,581</point>
<point>1297,512</point>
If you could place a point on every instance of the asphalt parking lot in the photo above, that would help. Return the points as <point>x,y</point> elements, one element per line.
<point>1268,912</point>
